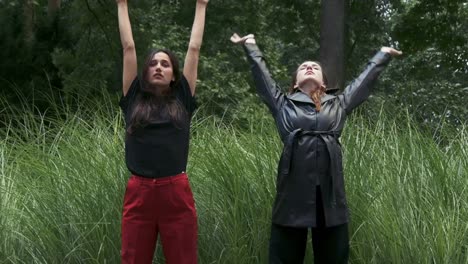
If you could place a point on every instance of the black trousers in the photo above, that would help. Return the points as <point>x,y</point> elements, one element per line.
<point>330,244</point>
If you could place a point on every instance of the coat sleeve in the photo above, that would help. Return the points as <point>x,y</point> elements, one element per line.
<point>266,87</point>
<point>359,89</point>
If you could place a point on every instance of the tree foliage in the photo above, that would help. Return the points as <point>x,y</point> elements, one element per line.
<point>77,51</point>
<point>434,35</point>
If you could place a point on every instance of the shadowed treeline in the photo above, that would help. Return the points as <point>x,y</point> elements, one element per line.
<point>53,50</point>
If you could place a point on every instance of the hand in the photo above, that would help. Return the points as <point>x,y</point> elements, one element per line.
<point>236,39</point>
<point>391,51</point>
<point>203,2</point>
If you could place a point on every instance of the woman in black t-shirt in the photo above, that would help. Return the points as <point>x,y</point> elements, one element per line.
<point>158,107</point>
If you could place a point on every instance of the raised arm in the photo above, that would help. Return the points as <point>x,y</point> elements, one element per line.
<point>266,87</point>
<point>359,89</point>
<point>128,46</point>
<point>196,38</point>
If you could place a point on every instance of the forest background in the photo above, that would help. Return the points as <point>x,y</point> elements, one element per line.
<point>55,51</point>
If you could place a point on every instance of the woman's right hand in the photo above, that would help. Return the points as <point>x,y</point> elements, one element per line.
<point>391,51</point>
<point>249,39</point>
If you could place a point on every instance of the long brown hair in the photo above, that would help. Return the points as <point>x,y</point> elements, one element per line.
<point>150,102</point>
<point>317,94</point>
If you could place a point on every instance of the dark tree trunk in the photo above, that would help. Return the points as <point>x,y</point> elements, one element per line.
<point>28,24</point>
<point>332,41</point>
<point>52,8</point>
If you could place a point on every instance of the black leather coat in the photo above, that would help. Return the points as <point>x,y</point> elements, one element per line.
<point>308,137</point>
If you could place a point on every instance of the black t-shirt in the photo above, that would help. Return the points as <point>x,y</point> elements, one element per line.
<point>159,148</point>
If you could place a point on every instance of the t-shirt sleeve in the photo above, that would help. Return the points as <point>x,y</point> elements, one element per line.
<point>185,95</point>
<point>127,100</point>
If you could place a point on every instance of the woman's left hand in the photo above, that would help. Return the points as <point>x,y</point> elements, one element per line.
<point>236,39</point>
<point>391,51</point>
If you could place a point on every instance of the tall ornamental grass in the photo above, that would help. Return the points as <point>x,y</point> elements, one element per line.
<point>63,176</point>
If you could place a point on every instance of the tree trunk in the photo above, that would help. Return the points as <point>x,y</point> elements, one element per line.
<point>332,41</point>
<point>28,24</point>
<point>52,8</point>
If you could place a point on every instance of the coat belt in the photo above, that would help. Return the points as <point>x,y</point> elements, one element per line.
<point>331,139</point>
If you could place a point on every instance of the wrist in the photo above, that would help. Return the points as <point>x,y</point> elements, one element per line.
<point>250,40</point>
<point>122,3</point>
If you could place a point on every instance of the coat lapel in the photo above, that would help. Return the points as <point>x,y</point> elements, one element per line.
<point>300,97</point>
<point>304,98</point>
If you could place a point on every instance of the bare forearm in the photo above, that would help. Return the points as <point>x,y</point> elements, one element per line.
<point>198,27</point>
<point>125,28</point>
<point>196,38</point>
<point>129,54</point>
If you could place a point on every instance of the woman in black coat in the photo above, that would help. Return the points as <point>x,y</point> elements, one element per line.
<point>310,184</point>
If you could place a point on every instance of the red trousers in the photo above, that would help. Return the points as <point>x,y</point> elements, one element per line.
<point>162,206</point>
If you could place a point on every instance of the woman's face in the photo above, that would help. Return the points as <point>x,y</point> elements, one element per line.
<point>160,72</point>
<point>308,72</point>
